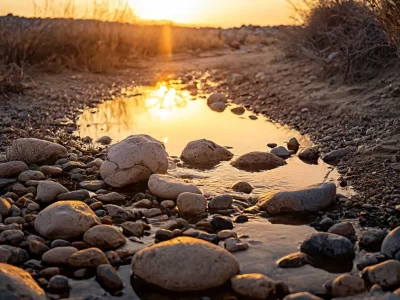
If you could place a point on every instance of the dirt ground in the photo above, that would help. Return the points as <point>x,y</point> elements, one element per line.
<point>364,117</point>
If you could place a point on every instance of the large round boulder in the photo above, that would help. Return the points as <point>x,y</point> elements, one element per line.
<point>391,244</point>
<point>185,264</point>
<point>16,283</point>
<point>205,152</point>
<point>65,220</point>
<point>168,187</point>
<point>310,199</point>
<point>32,151</point>
<point>134,160</point>
<point>258,161</point>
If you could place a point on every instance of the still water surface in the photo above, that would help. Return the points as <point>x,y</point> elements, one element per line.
<point>172,115</point>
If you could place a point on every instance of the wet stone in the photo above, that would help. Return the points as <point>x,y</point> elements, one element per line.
<point>226,234</point>
<point>92,185</point>
<point>11,237</point>
<point>104,237</point>
<point>221,202</point>
<point>49,272</point>
<point>241,219</point>
<point>88,258</point>
<point>235,245</point>
<point>386,274</point>
<point>13,255</point>
<point>258,286</point>
<point>348,285</point>
<point>59,282</point>
<point>328,245</point>
<point>59,255</point>
<point>37,248</point>
<point>295,260</point>
<point>145,203</point>
<point>133,228</point>
<point>60,243</point>
<point>391,244</point>
<point>164,235</point>
<point>109,278</point>
<point>74,195</point>
<point>221,223</point>
<point>242,187</point>
<point>345,229</point>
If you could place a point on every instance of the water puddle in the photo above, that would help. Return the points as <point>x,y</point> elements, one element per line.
<point>172,115</point>
<point>177,116</point>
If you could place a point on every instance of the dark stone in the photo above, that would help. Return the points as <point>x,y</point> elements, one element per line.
<point>221,223</point>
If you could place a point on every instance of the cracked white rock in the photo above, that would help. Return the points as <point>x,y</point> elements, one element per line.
<point>168,187</point>
<point>134,160</point>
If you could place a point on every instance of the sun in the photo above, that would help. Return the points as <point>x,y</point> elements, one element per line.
<point>178,11</point>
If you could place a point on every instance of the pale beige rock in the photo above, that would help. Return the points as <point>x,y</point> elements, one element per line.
<point>205,152</point>
<point>30,151</point>
<point>134,160</point>
<point>65,220</point>
<point>310,199</point>
<point>257,286</point>
<point>257,161</point>
<point>170,265</point>
<point>58,255</point>
<point>348,285</point>
<point>168,187</point>
<point>12,168</point>
<point>190,204</point>
<point>16,283</point>
<point>104,237</point>
<point>47,191</point>
<point>88,258</point>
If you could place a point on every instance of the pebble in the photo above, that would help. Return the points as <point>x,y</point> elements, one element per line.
<point>58,256</point>
<point>221,202</point>
<point>348,285</point>
<point>12,168</point>
<point>50,272</point>
<point>345,229</point>
<point>59,282</point>
<point>92,185</point>
<point>145,203</point>
<point>13,255</point>
<point>109,278</point>
<point>242,187</point>
<point>47,191</point>
<point>258,286</point>
<point>88,258</point>
<point>226,234</point>
<point>167,204</point>
<point>190,204</point>
<point>391,244</point>
<point>133,228</point>
<point>386,274</point>
<point>221,223</point>
<point>111,198</point>
<point>31,175</point>
<point>295,260</point>
<point>168,187</point>
<point>302,296</point>
<point>104,237</point>
<point>5,207</point>
<point>235,245</point>
<point>11,237</point>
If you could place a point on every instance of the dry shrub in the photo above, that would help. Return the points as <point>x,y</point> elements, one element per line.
<point>11,78</point>
<point>388,13</point>
<point>344,36</point>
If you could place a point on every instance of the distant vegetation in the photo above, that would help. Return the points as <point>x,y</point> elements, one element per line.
<point>357,39</point>
<point>102,40</point>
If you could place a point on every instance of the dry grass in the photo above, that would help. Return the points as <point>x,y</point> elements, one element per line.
<point>344,36</point>
<point>388,13</point>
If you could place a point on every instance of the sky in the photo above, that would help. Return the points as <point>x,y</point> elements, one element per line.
<point>219,13</point>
